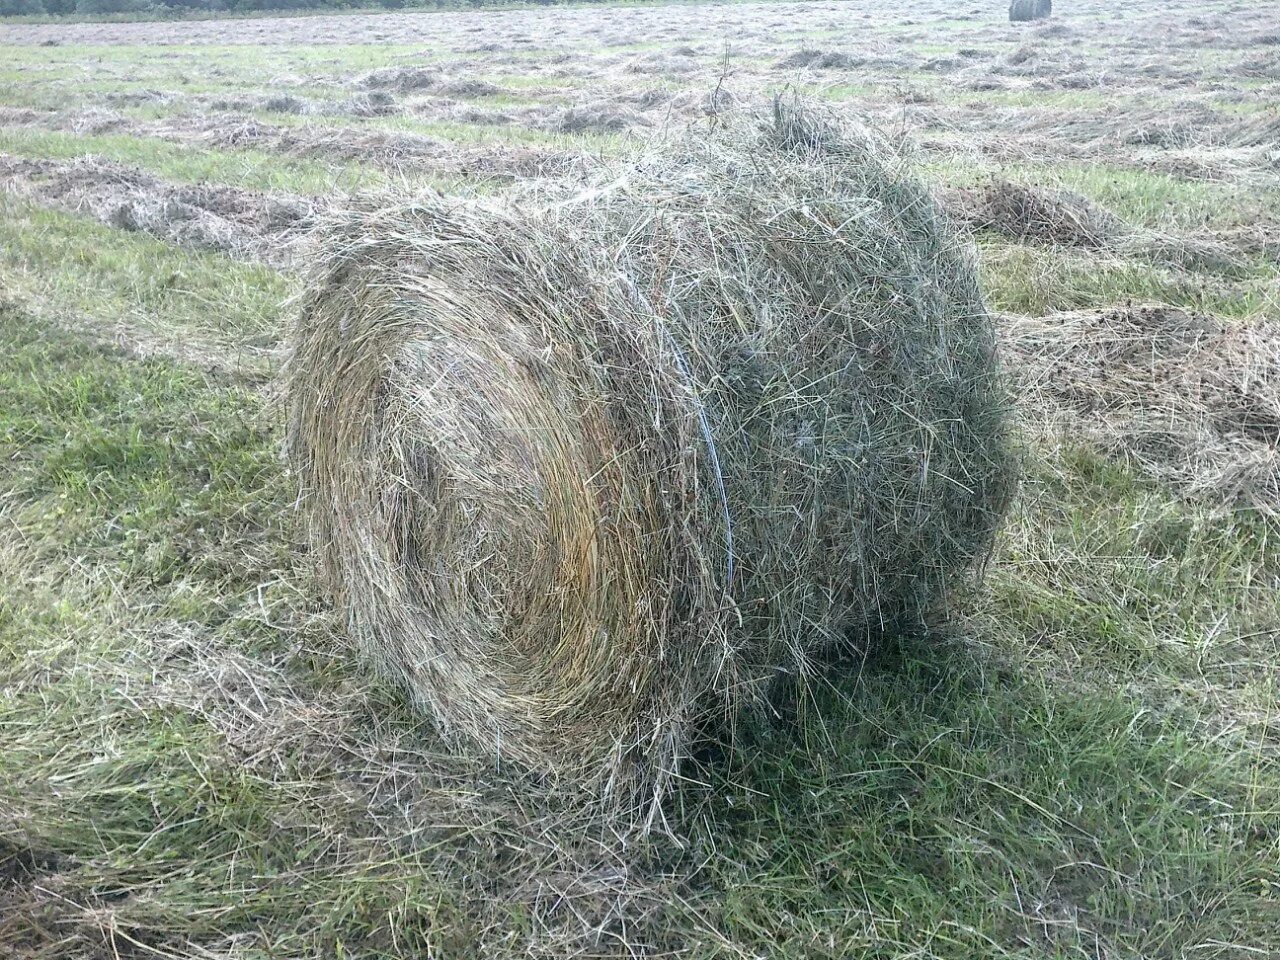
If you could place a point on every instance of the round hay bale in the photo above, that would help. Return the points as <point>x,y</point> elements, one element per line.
<point>584,468</point>
<point>1023,10</point>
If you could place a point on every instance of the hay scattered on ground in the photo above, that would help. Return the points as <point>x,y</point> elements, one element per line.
<point>1039,214</point>
<point>285,103</point>
<point>817,60</point>
<point>1061,217</point>
<point>400,79</point>
<point>373,103</point>
<point>1180,396</point>
<point>383,148</point>
<point>598,117</point>
<point>1187,252</point>
<point>586,469</point>
<point>245,224</point>
<point>466,88</point>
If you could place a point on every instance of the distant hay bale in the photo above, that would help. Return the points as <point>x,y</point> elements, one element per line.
<point>583,468</point>
<point>1023,10</point>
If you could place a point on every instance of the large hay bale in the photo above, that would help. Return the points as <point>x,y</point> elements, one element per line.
<point>582,468</point>
<point>1024,10</point>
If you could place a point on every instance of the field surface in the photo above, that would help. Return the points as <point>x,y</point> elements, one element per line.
<point>1085,763</point>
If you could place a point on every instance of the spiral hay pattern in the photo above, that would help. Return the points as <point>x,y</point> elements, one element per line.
<point>584,467</point>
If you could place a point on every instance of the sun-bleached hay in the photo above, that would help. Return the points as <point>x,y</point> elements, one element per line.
<point>587,468</point>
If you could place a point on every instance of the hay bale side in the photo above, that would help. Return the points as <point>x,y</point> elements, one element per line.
<point>1021,11</point>
<point>584,468</point>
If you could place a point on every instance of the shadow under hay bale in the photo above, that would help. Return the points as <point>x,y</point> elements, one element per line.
<point>584,469</point>
<point>1021,11</point>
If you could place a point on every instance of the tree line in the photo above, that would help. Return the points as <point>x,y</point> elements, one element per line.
<point>178,8</point>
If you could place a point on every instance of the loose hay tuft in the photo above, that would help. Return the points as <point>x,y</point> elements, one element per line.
<point>586,468</point>
<point>1038,214</point>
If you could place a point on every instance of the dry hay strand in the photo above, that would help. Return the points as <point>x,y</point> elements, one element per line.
<point>1021,11</point>
<point>1180,396</point>
<point>1188,252</point>
<point>588,469</point>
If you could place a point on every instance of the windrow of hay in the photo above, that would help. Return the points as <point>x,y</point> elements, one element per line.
<point>1040,214</point>
<point>1182,397</point>
<point>245,224</point>
<point>817,60</point>
<point>1059,217</point>
<point>585,468</point>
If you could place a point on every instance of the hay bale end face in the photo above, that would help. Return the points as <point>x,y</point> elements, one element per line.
<point>583,468</point>
<point>1021,11</point>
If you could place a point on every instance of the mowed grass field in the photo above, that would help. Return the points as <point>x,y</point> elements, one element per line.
<point>1083,762</point>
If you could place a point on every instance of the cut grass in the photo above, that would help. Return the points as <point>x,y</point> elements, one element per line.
<point>66,265</point>
<point>1141,198</point>
<point>961,809</point>
<point>1118,577</point>
<point>1157,200</point>
<point>191,762</point>
<point>953,797</point>
<point>251,169</point>
<point>1092,100</point>
<point>1041,280</point>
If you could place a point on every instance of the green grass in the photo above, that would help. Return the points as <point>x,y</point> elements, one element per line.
<point>245,60</point>
<point>964,810</point>
<point>67,265</point>
<point>1142,198</point>
<point>250,168</point>
<point>51,77</point>
<point>1147,198</point>
<point>955,797</point>
<point>1083,764</point>
<point>1038,280</point>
